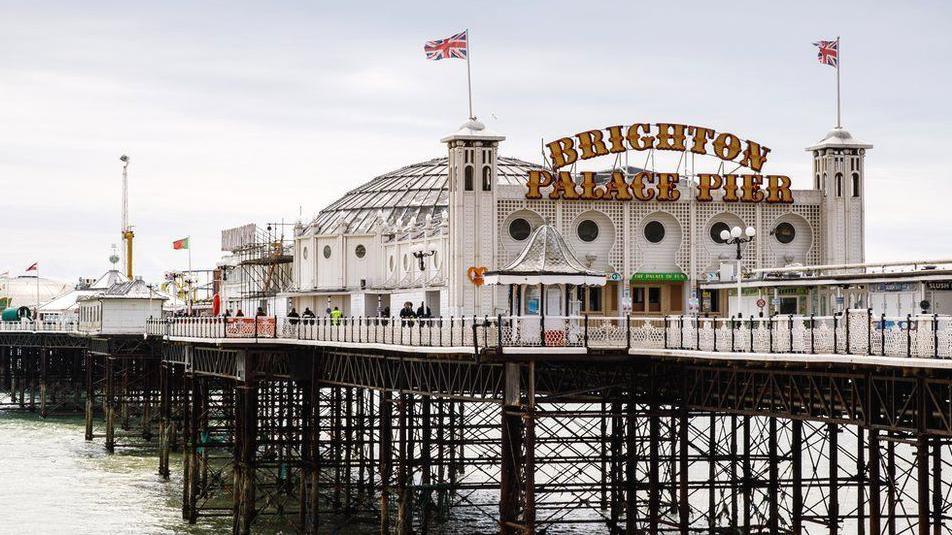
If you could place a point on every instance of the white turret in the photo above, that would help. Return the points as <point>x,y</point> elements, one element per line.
<point>472,216</point>
<point>839,172</point>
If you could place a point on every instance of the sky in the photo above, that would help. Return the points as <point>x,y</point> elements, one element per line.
<point>237,112</point>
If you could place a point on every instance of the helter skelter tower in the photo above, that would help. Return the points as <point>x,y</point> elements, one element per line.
<point>472,212</point>
<point>126,230</point>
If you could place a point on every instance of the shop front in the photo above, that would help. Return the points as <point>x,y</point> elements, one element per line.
<point>657,293</point>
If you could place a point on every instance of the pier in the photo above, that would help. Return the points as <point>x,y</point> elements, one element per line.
<point>683,424</point>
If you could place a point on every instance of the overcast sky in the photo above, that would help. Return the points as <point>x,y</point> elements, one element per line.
<point>235,112</point>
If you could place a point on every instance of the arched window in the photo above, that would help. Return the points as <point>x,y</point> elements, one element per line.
<point>487,178</point>
<point>839,184</point>
<point>855,184</point>
<point>468,178</point>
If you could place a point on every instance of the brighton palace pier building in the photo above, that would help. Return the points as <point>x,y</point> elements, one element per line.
<point>476,232</point>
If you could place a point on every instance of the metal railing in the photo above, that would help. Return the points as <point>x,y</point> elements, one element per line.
<point>855,332</point>
<point>30,326</point>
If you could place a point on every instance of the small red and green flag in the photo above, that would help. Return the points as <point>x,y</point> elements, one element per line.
<point>180,244</point>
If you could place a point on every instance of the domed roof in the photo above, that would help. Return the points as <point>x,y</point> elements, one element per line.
<point>840,137</point>
<point>24,290</point>
<point>414,191</point>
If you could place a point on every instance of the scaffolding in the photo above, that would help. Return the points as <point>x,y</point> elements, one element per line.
<point>261,263</point>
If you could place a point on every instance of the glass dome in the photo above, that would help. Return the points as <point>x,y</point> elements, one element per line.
<point>412,192</point>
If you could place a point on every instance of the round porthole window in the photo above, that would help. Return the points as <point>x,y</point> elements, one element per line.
<point>406,261</point>
<point>785,233</point>
<point>587,230</point>
<point>304,253</point>
<point>327,251</point>
<point>654,231</point>
<point>519,229</point>
<point>716,229</point>
<point>360,251</point>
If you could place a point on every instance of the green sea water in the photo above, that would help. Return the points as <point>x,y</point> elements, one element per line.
<point>52,481</point>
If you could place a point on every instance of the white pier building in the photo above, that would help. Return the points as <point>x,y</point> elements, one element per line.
<point>430,231</point>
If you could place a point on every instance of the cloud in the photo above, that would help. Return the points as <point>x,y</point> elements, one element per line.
<point>237,112</point>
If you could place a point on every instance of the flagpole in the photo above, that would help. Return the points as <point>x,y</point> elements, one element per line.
<point>839,62</point>
<point>36,315</point>
<point>189,295</point>
<point>469,78</point>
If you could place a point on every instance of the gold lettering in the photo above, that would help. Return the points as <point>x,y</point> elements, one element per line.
<point>562,152</point>
<point>751,188</point>
<point>637,141</point>
<point>730,188</point>
<point>778,189</point>
<point>591,144</point>
<point>538,179</point>
<point>754,156</point>
<point>638,186</point>
<point>726,146</point>
<point>590,190</point>
<point>668,187</point>
<point>701,137</point>
<point>670,136</point>
<point>617,188</point>
<point>705,184</point>
<point>564,187</point>
<point>617,139</point>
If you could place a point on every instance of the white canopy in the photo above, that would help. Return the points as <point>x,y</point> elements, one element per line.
<point>546,259</point>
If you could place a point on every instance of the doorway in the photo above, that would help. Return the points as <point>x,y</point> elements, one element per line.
<point>789,305</point>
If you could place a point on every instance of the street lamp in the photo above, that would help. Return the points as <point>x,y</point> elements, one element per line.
<point>420,254</point>
<point>737,236</point>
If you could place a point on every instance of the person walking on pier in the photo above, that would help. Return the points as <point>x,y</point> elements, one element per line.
<point>293,316</point>
<point>335,316</point>
<point>407,314</point>
<point>308,316</point>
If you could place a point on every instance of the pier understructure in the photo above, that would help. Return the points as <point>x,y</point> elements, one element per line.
<point>410,435</point>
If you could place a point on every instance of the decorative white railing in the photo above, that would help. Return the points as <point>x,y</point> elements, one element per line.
<point>30,326</point>
<point>856,332</point>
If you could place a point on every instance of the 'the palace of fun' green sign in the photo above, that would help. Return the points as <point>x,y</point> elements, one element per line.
<point>658,277</point>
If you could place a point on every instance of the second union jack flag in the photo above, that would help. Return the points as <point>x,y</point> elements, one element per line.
<point>828,54</point>
<point>451,47</point>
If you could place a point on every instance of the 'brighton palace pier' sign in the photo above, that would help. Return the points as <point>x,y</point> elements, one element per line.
<point>647,185</point>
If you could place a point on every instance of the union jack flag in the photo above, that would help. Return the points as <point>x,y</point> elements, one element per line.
<point>828,53</point>
<point>451,47</point>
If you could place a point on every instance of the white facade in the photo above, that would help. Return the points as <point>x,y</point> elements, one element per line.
<point>123,308</point>
<point>469,211</point>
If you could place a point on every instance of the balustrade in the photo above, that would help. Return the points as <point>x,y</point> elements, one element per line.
<point>855,332</point>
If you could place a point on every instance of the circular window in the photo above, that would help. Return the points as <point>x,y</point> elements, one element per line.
<point>360,251</point>
<point>304,252</point>
<point>436,260</point>
<point>392,261</point>
<point>406,261</point>
<point>327,251</point>
<point>654,231</point>
<point>587,230</point>
<point>519,229</point>
<point>716,230</point>
<point>785,233</point>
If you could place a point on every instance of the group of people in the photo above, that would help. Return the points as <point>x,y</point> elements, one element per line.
<point>407,314</point>
<point>308,316</point>
<point>239,314</point>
